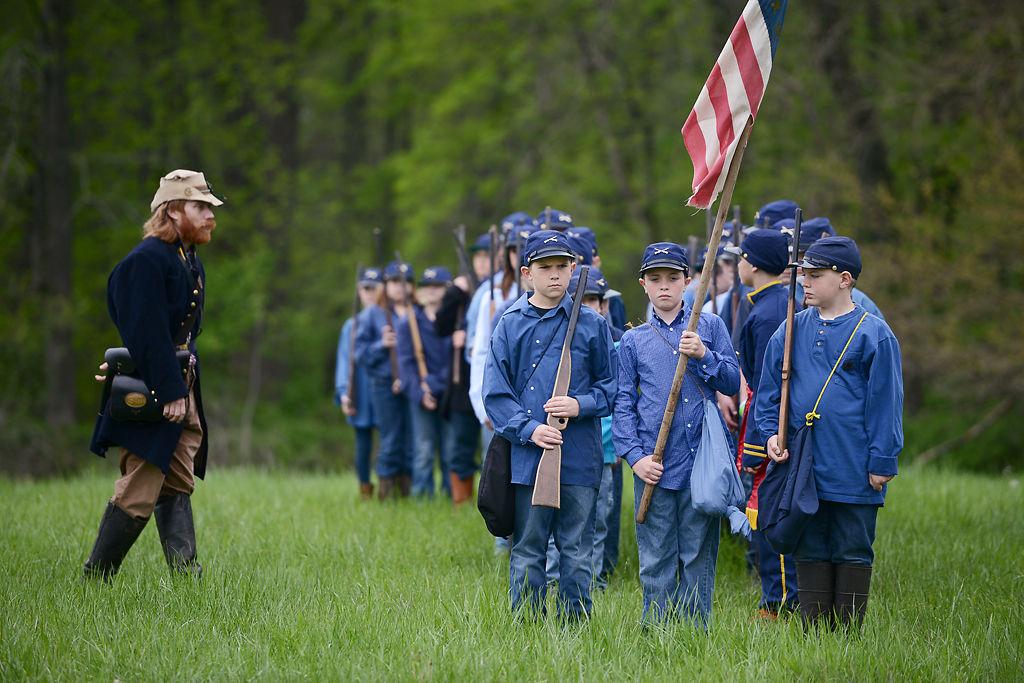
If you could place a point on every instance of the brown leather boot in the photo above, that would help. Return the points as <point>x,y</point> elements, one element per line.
<point>366,491</point>
<point>387,488</point>
<point>404,485</point>
<point>458,486</point>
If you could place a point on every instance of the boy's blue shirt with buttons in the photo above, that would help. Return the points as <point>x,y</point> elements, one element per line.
<point>860,430</point>
<point>520,376</point>
<point>437,354</point>
<point>370,350</point>
<point>647,361</point>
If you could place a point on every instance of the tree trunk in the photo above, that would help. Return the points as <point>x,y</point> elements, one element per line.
<point>54,285</point>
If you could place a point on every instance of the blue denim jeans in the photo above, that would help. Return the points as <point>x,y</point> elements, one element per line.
<point>364,450</point>
<point>432,438</point>
<point>678,552</point>
<point>393,456</point>
<point>573,529</point>
<point>465,437</point>
<point>605,499</point>
<point>775,585</point>
<point>841,533</point>
<point>611,544</point>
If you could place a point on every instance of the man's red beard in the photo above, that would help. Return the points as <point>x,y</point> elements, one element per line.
<point>196,234</point>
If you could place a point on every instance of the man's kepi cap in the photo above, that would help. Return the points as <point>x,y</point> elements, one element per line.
<point>546,243</point>
<point>833,253</point>
<point>664,255</point>
<point>184,184</point>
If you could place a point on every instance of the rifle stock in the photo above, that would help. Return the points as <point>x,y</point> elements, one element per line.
<point>388,317</point>
<point>547,485</point>
<point>417,341</point>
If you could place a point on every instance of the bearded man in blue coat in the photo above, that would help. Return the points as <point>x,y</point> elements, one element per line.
<point>155,298</point>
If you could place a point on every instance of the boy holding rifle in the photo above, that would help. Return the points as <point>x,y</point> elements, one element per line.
<point>377,349</point>
<point>424,361</point>
<point>524,361</point>
<point>352,384</point>
<point>678,545</point>
<point>847,385</point>
<point>762,260</point>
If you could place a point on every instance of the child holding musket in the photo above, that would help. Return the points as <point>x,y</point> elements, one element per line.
<point>518,385</point>
<point>847,384</point>
<point>376,338</point>
<point>762,260</point>
<point>431,432</point>
<point>678,545</point>
<point>350,378</point>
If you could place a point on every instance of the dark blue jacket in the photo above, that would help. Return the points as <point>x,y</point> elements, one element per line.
<point>520,376</point>
<point>370,350</point>
<point>767,312</point>
<point>437,354</point>
<point>148,297</point>
<point>860,429</point>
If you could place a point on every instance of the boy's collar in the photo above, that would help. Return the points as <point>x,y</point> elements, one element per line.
<point>755,294</point>
<point>523,304</point>
<point>683,311</point>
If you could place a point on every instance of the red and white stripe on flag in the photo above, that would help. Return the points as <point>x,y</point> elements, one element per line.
<point>730,96</point>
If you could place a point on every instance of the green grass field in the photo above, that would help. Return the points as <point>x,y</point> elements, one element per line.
<point>303,581</point>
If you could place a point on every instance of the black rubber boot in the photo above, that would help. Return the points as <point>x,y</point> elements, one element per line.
<point>118,532</point>
<point>816,581</point>
<point>853,583</point>
<point>178,533</point>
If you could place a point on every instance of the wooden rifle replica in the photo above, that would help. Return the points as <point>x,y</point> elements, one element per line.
<point>417,341</point>
<point>548,484</point>
<point>351,392</point>
<point>460,315</point>
<point>390,319</point>
<point>702,290</point>
<point>787,347</point>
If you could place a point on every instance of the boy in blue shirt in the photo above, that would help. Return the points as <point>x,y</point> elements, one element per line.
<point>678,545</point>
<point>762,260</point>
<point>375,339</point>
<point>518,383</point>
<point>359,413</point>
<point>857,418</point>
<point>431,432</point>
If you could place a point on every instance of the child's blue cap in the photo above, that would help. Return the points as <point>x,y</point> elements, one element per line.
<point>545,243</point>
<point>553,219</point>
<point>765,249</point>
<point>398,271</point>
<point>664,255</point>
<point>596,284</point>
<point>833,253</point>
<point>370,276</point>
<point>435,275</point>
<point>775,211</point>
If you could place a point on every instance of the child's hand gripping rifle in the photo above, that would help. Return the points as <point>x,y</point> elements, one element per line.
<point>548,484</point>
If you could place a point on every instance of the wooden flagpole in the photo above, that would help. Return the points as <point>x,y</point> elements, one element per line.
<point>724,202</point>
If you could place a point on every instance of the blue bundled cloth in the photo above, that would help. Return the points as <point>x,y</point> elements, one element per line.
<point>788,496</point>
<point>715,486</point>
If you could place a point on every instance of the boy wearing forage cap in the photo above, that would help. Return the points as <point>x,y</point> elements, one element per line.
<point>518,382</point>
<point>847,382</point>
<point>678,545</point>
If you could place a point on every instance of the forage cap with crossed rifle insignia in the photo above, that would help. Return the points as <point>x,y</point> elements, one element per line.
<point>544,244</point>
<point>435,275</point>
<point>184,184</point>
<point>664,255</point>
<point>398,271</point>
<point>370,276</point>
<point>553,219</point>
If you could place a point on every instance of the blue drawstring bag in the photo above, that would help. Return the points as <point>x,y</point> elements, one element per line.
<point>715,484</point>
<point>788,496</point>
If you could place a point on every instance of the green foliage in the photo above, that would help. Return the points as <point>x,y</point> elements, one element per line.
<point>322,120</point>
<point>304,581</point>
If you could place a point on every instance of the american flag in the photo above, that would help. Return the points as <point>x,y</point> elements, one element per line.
<point>731,96</point>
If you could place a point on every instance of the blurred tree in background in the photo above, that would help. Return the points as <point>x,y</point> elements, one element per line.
<point>903,122</point>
